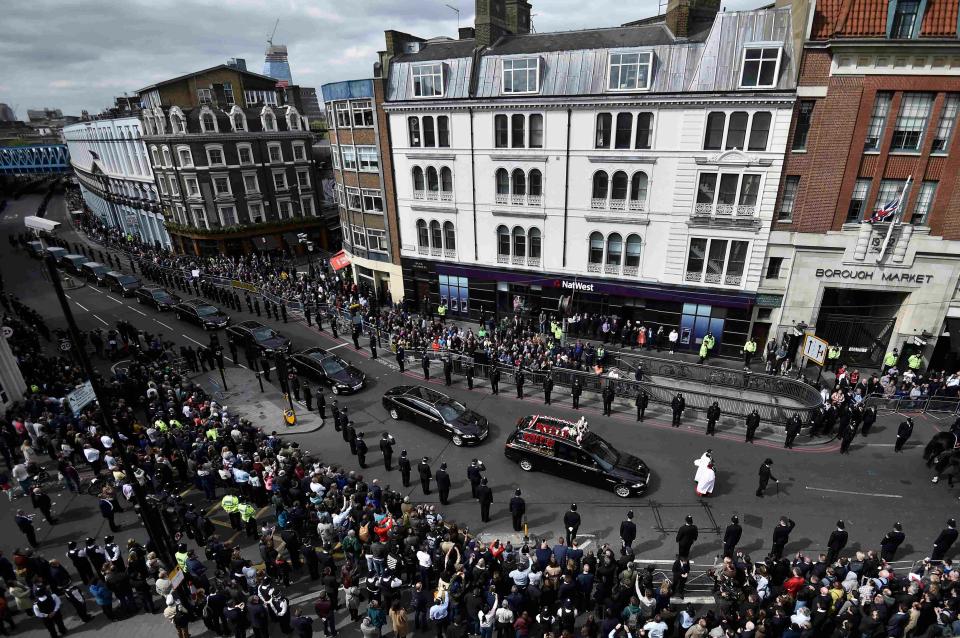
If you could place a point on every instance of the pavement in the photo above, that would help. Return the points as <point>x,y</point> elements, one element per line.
<point>870,489</point>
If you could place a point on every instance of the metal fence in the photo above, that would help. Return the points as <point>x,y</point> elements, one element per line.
<point>935,405</point>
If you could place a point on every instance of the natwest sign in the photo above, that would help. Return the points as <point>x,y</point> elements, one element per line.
<point>573,285</point>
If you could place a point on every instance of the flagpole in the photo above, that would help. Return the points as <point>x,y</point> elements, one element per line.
<point>893,221</point>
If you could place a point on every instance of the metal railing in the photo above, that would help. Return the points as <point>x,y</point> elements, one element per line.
<point>935,404</point>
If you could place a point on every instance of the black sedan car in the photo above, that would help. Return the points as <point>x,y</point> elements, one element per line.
<point>199,312</point>
<point>254,333</point>
<point>329,369</point>
<point>436,412</point>
<point>124,284</point>
<point>160,298</point>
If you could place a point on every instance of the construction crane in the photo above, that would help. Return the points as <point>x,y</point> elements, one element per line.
<point>272,33</point>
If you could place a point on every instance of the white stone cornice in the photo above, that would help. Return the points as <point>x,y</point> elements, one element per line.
<point>779,99</point>
<point>622,159</point>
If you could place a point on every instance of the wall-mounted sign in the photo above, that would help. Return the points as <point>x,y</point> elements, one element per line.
<point>900,278</point>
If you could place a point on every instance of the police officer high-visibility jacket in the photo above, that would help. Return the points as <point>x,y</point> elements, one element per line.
<point>750,346</point>
<point>890,359</point>
<point>915,361</point>
<point>175,424</point>
<point>247,512</point>
<point>230,503</point>
<point>160,425</point>
<point>834,352</point>
<point>181,560</point>
<point>212,434</point>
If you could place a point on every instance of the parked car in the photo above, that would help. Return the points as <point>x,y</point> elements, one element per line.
<point>74,263</point>
<point>35,248</point>
<point>122,283</point>
<point>570,450</point>
<point>436,412</point>
<point>264,338</point>
<point>329,369</point>
<point>57,253</point>
<point>95,273</point>
<point>202,314</point>
<point>159,298</point>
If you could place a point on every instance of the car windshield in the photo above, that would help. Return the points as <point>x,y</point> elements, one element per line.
<point>262,334</point>
<point>332,365</point>
<point>161,295</point>
<point>603,451</point>
<point>127,280</point>
<point>450,410</point>
<point>206,311</point>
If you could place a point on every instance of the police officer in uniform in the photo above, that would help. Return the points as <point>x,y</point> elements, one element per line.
<point>677,404</point>
<point>731,536</point>
<point>425,364</point>
<point>361,447</point>
<point>713,415</point>
<point>575,392</point>
<point>336,415</point>
<point>891,541</point>
<point>321,403</point>
<point>468,370</point>
<point>781,536</point>
<point>495,379</point>
<point>946,538</point>
<point>443,483</point>
<point>753,422</point>
<point>765,477</point>
<point>350,436</point>
<point>401,357</point>
<point>403,463</point>
<point>686,536</point>
<point>386,447</point>
<point>343,420</point>
<point>518,377</point>
<point>475,475</point>
<point>485,496</point>
<point>518,507</point>
<point>423,468</point>
<point>571,523</point>
<point>793,429</point>
<point>80,562</point>
<point>642,400</point>
<point>836,543</point>
<point>904,431</point>
<point>231,505</point>
<point>308,397</point>
<point>547,388</point>
<point>448,371</point>
<point>628,531</point>
<point>608,399</point>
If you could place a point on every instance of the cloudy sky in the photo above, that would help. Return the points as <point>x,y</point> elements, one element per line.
<point>78,54</point>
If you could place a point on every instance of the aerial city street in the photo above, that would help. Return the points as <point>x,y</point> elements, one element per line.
<point>642,321</point>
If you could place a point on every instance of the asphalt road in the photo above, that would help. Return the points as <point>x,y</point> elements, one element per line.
<point>871,488</point>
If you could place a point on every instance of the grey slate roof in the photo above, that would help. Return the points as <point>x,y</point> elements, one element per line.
<point>612,38</point>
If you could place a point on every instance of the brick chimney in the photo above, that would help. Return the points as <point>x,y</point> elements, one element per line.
<point>518,16</point>
<point>685,17</point>
<point>490,21</point>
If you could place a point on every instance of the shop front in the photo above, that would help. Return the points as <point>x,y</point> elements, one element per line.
<point>478,292</point>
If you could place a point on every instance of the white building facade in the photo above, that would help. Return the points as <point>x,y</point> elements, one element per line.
<point>110,160</point>
<point>612,171</point>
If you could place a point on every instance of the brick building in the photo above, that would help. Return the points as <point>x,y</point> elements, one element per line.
<point>877,103</point>
<point>362,168</point>
<point>231,153</point>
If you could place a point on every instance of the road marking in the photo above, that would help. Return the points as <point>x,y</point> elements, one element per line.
<point>100,320</point>
<point>114,299</point>
<point>163,324</point>
<point>340,346</point>
<point>192,339</point>
<point>826,489</point>
<point>82,306</point>
<point>139,312</point>
<point>99,292</point>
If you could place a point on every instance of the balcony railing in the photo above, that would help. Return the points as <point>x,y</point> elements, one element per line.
<point>693,275</point>
<point>533,261</point>
<point>703,210</point>
<point>612,269</point>
<point>420,194</point>
<point>518,260</point>
<point>449,254</point>
<point>598,203</point>
<point>443,196</point>
<point>534,200</point>
<point>725,210</point>
<point>638,205</point>
<point>423,250</point>
<point>618,204</point>
<point>518,200</point>
<point>630,271</point>
<point>602,203</point>
<point>502,198</point>
<point>746,210</point>
<point>503,259</point>
<point>592,267</point>
<point>733,280</point>
<point>446,196</point>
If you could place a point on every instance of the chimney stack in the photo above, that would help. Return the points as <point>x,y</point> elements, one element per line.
<point>490,21</point>
<point>690,16</point>
<point>466,33</point>
<point>518,16</point>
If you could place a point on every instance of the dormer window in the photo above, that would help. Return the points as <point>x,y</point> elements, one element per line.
<point>268,120</point>
<point>629,71</point>
<point>237,119</point>
<point>208,122</point>
<point>428,80</point>
<point>293,119</point>
<point>761,66</point>
<point>520,76</point>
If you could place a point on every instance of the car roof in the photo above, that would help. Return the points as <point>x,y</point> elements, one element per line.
<point>251,324</point>
<point>309,352</point>
<point>150,288</point>
<point>94,264</point>
<point>194,302</point>
<point>427,394</point>
<point>116,273</point>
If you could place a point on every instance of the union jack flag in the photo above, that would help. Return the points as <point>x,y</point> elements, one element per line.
<point>887,210</point>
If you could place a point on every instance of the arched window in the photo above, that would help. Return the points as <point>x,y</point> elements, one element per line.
<point>624,128</point>
<point>737,130</point>
<point>604,126</point>
<point>449,237</point>
<point>759,131</point>
<point>167,161</point>
<point>618,195</point>
<point>614,249</point>
<point>208,122</point>
<point>500,133</point>
<point>446,180</point>
<point>436,237</point>
<point>429,138</point>
<point>433,179</point>
<point>600,182</point>
<point>596,248</point>
<point>239,121</point>
<point>519,242</point>
<point>417,178</point>
<point>536,131</point>
<point>268,120</point>
<point>178,123</point>
<point>638,190</point>
<point>413,127</point>
<point>293,119</point>
<point>535,180</point>
<point>423,239</point>
<point>503,241</point>
<point>713,139</point>
<point>519,183</point>
<point>517,124</point>
<point>633,251</point>
<point>503,181</point>
<point>535,243</point>
<point>156,156</point>
<point>443,131</point>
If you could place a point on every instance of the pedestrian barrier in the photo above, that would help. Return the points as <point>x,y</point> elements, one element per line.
<point>935,405</point>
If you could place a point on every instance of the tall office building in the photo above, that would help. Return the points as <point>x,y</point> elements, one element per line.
<point>275,63</point>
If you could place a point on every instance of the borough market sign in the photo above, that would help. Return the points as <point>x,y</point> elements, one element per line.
<point>901,278</point>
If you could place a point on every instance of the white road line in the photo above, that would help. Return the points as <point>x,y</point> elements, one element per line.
<point>826,489</point>
<point>878,444</point>
<point>163,324</point>
<point>114,299</point>
<point>192,339</point>
<point>340,346</point>
<point>139,312</point>
<point>82,306</point>
<point>94,289</point>
<point>101,320</point>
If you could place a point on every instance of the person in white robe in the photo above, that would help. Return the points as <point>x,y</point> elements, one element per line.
<point>706,476</point>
